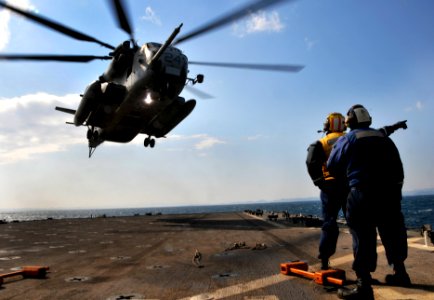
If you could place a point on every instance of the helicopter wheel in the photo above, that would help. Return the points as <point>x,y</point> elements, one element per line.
<point>149,142</point>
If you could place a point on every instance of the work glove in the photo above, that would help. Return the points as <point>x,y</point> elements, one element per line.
<point>400,124</point>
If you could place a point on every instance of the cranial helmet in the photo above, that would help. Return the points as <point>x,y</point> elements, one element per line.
<point>358,117</point>
<point>335,122</point>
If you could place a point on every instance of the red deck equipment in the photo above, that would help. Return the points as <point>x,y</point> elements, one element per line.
<point>332,276</point>
<point>27,272</point>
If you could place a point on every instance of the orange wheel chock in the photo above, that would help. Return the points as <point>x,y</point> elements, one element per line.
<point>27,272</point>
<point>323,277</point>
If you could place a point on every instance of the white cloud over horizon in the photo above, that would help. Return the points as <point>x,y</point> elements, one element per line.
<point>259,22</point>
<point>200,141</point>
<point>30,127</point>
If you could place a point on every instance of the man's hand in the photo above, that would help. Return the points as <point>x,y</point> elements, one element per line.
<point>400,124</point>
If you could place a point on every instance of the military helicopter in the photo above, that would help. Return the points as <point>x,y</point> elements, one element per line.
<point>139,93</point>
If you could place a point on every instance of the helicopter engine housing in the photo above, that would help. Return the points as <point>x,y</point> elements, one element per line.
<point>105,95</point>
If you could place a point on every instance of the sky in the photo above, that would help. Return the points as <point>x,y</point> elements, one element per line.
<point>248,143</point>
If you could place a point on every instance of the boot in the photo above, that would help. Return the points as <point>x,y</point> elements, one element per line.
<point>363,291</point>
<point>325,264</point>
<point>399,277</point>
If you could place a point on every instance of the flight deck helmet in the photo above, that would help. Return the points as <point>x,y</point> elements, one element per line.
<point>358,117</point>
<point>335,122</point>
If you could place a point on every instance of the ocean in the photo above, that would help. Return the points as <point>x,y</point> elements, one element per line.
<point>417,210</point>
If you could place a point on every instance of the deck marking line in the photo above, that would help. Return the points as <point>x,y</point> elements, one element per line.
<point>242,287</point>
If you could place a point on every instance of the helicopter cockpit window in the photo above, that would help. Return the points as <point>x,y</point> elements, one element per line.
<point>153,47</point>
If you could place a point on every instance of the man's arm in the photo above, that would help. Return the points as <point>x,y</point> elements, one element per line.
<point>388,130</point>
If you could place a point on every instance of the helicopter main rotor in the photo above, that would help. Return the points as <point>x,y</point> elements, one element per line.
<point>55,26</point>
<point>227,18</point>
<point>122,18</point>
<point>124,23</point>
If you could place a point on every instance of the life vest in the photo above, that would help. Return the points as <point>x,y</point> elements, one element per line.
<point>327,143</point>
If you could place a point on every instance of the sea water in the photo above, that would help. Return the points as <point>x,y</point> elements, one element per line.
<point>417,210</point>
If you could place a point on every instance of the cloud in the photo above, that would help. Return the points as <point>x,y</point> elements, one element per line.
<point>310,43</point>
<point>200,141</point>
<point>30,126</point>
<point>5,34</point>
<point>418,106</point>
<point>151,16</point>
<point>5,17</point>
<point>259,22</point>
<point>208,142</point>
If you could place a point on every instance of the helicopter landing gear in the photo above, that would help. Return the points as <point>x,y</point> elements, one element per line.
<point>91,151</point>
<point>94,137</point>
<point>149,142</point>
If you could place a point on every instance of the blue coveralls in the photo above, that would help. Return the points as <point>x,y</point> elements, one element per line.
<point>333,199</point>
<point>370,162</point>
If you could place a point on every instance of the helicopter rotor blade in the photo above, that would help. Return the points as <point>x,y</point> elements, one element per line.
<point>55,26</point>
<point>122,18</point>
<point>53,57</point>
<point>264,67</point>
<point>200,94</point>
<point>230,17</point>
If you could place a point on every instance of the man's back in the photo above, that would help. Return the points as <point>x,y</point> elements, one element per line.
<point>372,159</point>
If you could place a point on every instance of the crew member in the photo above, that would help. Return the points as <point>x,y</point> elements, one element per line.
<point>370,162</point>
<point>333,193</point>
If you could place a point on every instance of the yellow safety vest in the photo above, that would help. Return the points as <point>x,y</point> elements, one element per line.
<point>327,143</point>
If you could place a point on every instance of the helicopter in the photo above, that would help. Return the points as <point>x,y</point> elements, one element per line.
<point>139,93</point>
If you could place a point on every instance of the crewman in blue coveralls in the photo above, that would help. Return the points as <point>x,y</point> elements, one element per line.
<point>370,162</point>
<point>333,193</point>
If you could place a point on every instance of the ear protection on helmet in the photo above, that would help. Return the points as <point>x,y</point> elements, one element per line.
<point>335,122</point>
<point>358,116</point>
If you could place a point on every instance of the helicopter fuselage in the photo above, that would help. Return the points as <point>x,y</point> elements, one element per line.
<point>139,91</point>
<point>136,95</point>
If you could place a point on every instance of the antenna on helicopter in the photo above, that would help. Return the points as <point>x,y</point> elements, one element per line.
<point>166,44</point>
